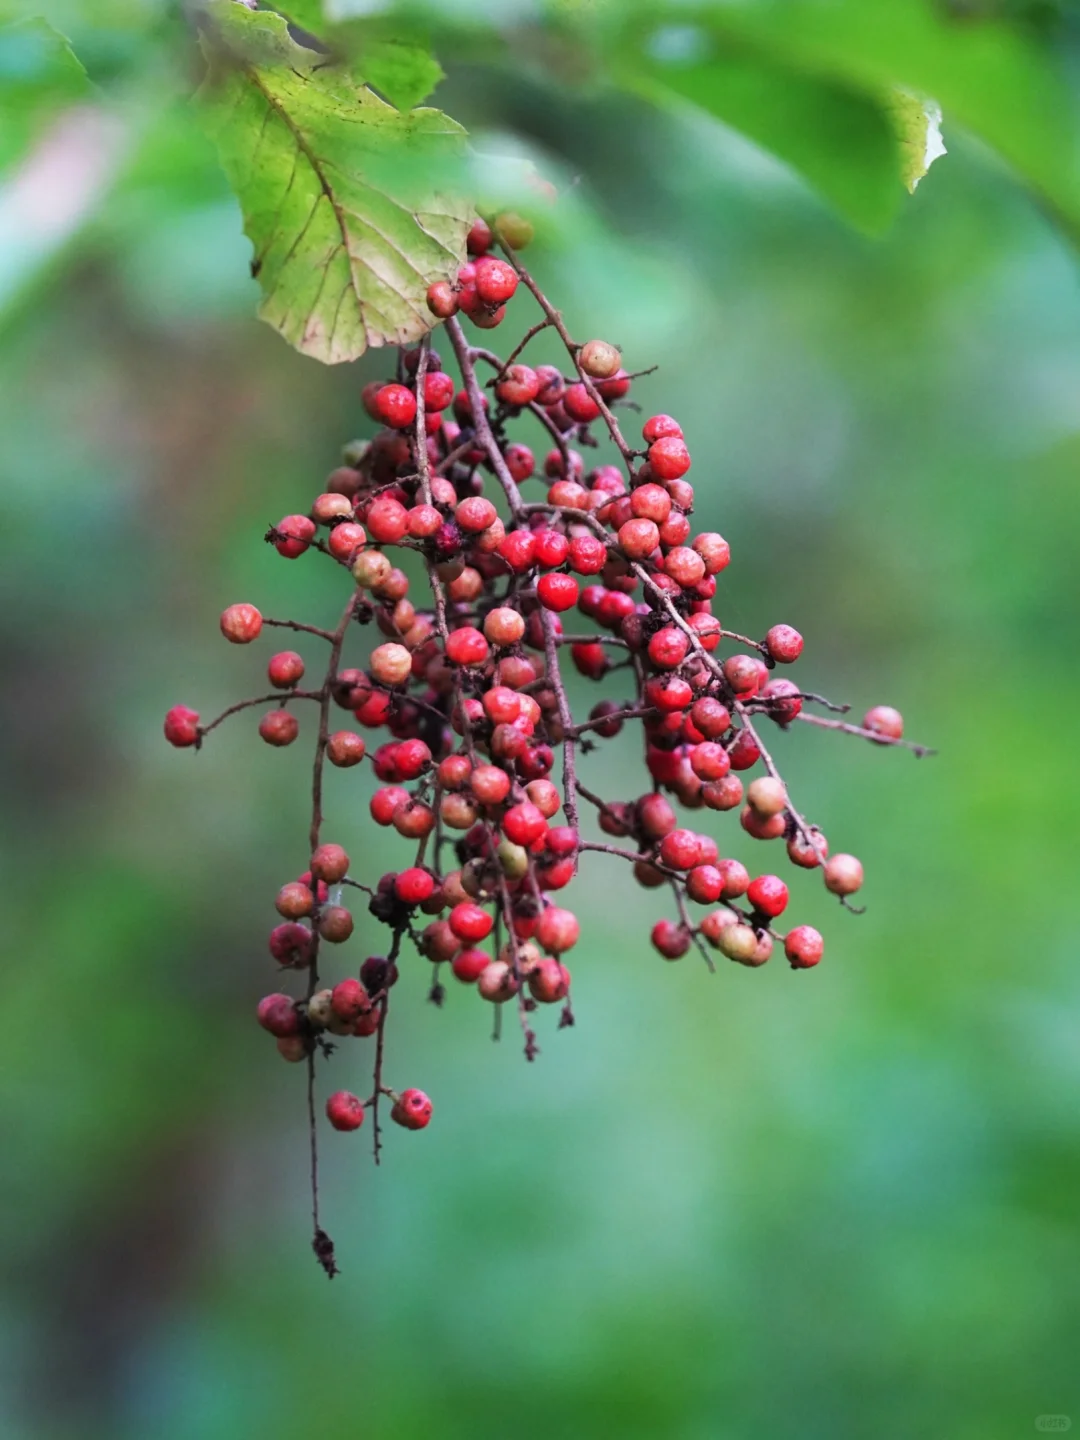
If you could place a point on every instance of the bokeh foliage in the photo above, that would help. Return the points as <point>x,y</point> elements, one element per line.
<point>828,1204</point>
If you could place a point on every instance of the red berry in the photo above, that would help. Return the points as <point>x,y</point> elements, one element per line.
<point>387,520</point>
<point>438,390</point>
<point>182,726</point>
<point>557,591</point>
<point>349,999</point>
<point>496,281</point>
<point>293,535</point>
<point>524,823</point>
<point>579,404</point>
<point>469,965</point>
<point>668,647</point>
<point>672,940</point>
<point>241,624</point>
<point>278,727</point>
<point>744,753</point>
<point>784,701</point>
<point>414,886</point>
<point>669,457</point>
<point>278,1014</point>
<point>470,923</point>
<point>768,894</point>
<point>396,406</point>
<point>442,300</point>
<point>550,548</point>
<point>286,669</point>
<point>680,849</point>
<point>344,540</point>
<point>638,538</point>
<point>660,426</point>
<point>345,1111</point>
<point>411,1110</point>
<point>704,884</point>
<point>291,944</point>
<point>467,646</point>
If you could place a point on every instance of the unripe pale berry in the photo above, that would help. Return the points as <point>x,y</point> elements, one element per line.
<point>767,796</point>
<point>497,983</point>
<point>241,624</point>
<point>391,664</point>
<point>884,720</point>
<point>717,921</point>
<point>738,942</point>
<point>599,359</point>
<point>503,626</point>
<point>843,874</point>
<point>345,1111</point>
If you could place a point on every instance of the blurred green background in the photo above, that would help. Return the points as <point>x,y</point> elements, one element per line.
<point>763,1203</point>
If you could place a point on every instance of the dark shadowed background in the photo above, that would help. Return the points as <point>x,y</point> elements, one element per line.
<point>761,1203</point>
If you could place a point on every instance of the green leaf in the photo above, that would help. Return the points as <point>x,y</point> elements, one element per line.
<point>404,73</point>
<point>837,139</point>
<point>39,76</point>
<point>917,124</point>
<point>339,191</point>
<point>986,76</point>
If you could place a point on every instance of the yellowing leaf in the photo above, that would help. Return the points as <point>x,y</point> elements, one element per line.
<point>340,192</point>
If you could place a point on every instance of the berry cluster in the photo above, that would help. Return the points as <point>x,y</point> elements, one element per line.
<point>468,683</point>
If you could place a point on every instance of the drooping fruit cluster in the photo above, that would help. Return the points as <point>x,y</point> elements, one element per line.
<point>464,677</point>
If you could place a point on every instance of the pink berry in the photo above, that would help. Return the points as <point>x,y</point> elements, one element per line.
<point>182,726</point>
<point>843,874</point>
<point>804,947</point>
<point>884,720</point>
<point>411,1110</point>
<point>784,644</point>
<point>241,624</point>
<point>669,458</point>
